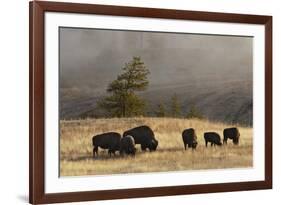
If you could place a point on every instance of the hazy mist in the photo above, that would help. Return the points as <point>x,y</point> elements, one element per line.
<point>188,64</point>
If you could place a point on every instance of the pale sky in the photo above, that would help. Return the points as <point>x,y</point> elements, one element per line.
<point>90,58</point>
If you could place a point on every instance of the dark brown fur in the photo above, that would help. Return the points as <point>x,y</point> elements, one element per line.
<point>144,136</point>
<point>127,145</point>
<point>231,133</point>
<point>212,137</point>
<point>189,138</point>
<point>109,140</point>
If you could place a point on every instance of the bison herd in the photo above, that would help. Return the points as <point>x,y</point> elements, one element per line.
<point>113,141</point>
<point>143,135</point>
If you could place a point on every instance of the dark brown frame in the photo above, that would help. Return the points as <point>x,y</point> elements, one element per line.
<point>36,99</point>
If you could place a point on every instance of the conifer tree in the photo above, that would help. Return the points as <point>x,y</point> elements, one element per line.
<point>123,100</point>
<point>161,110</point>
<point>194,112</point>
<point>175,106</point>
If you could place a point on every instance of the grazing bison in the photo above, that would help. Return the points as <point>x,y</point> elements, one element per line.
<point>109,140</point>
<point>189,138</point>
<point>231,133</point>
<point>212,137</point>
<point>144,136</point>
<point>127,145</point>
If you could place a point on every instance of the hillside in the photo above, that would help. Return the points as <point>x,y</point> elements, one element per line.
<point>229,102</point>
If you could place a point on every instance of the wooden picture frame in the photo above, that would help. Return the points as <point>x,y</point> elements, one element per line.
<point>37,122</point>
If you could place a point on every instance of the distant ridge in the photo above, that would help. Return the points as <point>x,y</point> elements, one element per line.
<point>229,102</point>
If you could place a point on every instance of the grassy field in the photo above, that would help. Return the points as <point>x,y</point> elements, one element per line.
<point>76,147</point>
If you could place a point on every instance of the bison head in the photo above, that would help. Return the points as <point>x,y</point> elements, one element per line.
<point>132,151</point>
<point>153,145</point>
<point>236,141</point>
<point>194,144</point>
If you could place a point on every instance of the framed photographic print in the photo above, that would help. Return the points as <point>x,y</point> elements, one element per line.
<point>140,102</point>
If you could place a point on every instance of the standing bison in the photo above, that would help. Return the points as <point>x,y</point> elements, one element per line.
<point>189,138</point>
<point>212,137</point>
<point>109,140</point>
<point>127,145</point>
<point>231,133</point>
<point>144,136</point>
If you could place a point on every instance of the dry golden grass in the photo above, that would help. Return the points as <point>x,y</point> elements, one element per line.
<point>76,147</point>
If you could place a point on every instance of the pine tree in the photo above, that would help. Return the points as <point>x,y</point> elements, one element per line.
<point>161,111</point>
<point>175,106</point>
<point>194,113</point>
<point>123,101</point>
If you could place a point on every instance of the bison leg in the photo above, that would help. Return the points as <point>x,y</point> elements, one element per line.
<point>212,144</point>
<point>95,151</point>
<point>143,148</point>
<point>184,146</point>
<point>224,141</point>
<point>111,151</point>
<point>206,142</point>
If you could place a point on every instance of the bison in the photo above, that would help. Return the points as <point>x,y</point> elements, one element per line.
<point>212,137</point>
<point>144,136</point>
<point>231,133</point>
<point>109,140</point>
<point>189,138</point>
<point>127,145</point>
